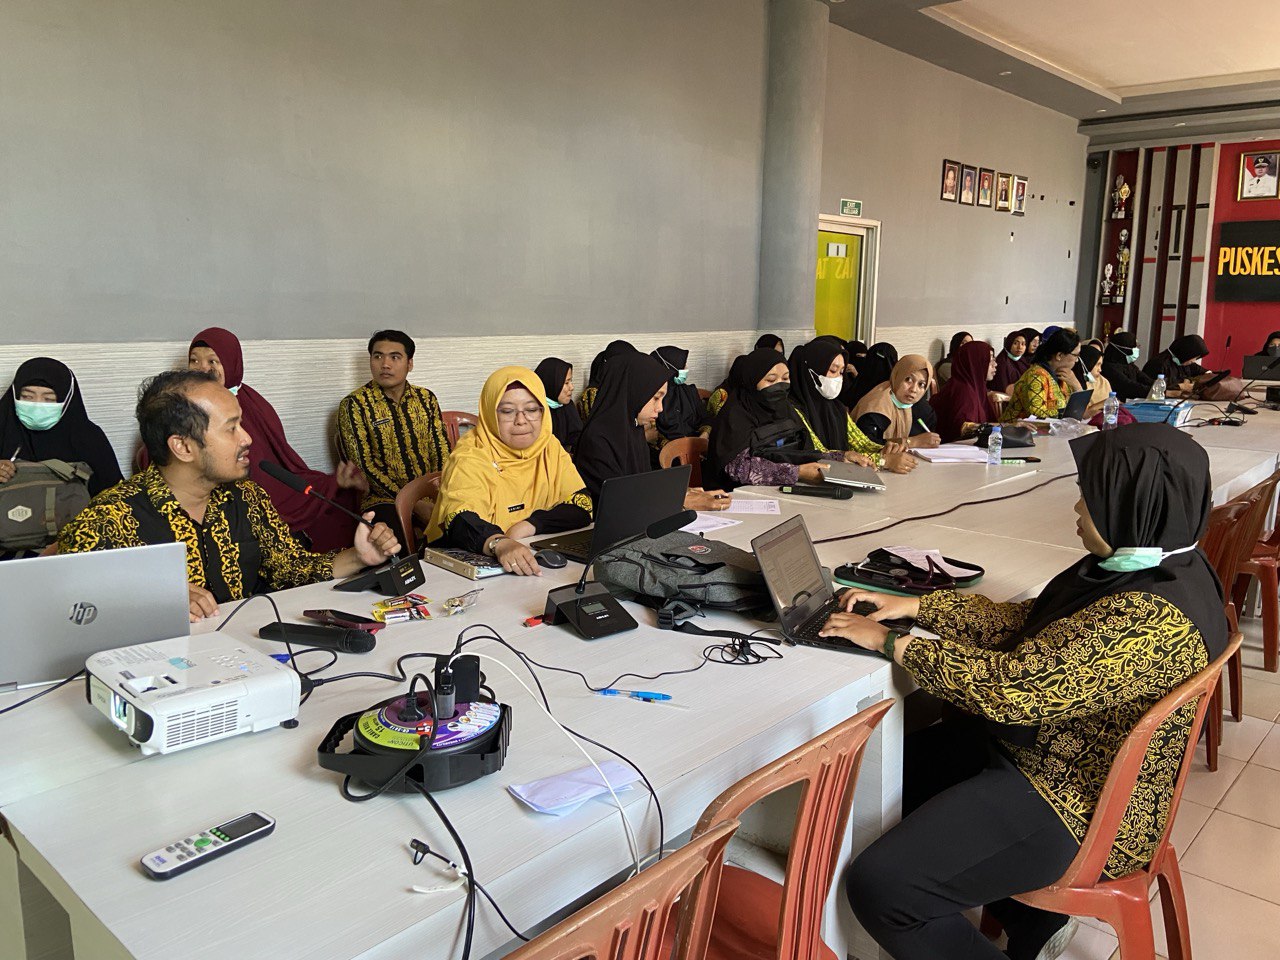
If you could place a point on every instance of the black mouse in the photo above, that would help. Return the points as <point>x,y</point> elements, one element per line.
<point>550,559</point>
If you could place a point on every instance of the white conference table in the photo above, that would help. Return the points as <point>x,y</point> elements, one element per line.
<point>80,806</point>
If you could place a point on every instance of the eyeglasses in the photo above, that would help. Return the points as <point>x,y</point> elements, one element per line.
<point>530,413</point>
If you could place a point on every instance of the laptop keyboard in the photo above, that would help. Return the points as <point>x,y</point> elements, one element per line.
<point>575,546</point>
<point>809,629</point>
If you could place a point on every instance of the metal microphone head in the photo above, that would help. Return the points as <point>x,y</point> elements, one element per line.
<point>290,480</point>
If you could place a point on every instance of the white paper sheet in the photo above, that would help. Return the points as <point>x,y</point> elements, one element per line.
<point>916,556</point>
<point>952,453</point>
<point>743,505</point>
<point>708,522</point>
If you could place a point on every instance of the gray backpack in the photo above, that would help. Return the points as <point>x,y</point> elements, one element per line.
<point>682,573</point>
<point>40,499</point>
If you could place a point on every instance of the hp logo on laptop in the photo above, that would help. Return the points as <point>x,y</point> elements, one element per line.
<point>83,614</point>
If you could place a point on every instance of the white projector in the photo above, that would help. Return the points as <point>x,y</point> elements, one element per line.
<point>174,694</point>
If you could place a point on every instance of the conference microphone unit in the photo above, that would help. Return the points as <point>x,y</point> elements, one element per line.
<point>395,578</point>
<point>1234,406</point>
<point>589,608</point>
<point>338,639</point>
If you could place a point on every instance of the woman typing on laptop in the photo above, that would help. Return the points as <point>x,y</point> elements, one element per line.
<point>1049,690</point>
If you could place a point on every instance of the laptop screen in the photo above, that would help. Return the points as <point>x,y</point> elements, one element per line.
<point>792,572</point>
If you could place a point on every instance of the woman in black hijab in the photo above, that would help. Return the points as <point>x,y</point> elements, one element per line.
<point>1120,367</point>
<point>942,370</point>
<point>557,380</point>
<point>1270,346</point>
<point>771,341</point>
<point>1052,687</point>
<point>612,442</point>
<point>1179,364</point>
<point>615,348</point>
<point>42,417</point>
<point>683,412</point>
<point>872,371</point>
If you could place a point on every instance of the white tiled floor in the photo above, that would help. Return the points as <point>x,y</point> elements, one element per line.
<point>1228,837</point>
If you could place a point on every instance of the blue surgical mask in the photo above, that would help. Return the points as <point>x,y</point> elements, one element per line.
<point>35,415</point>
<point>898,403</point>
<point>1131,559</point>
<point>681,376</point>
<point>554,404</point>
<point>1134,353</point>
<point>1014,356</point>
<point>236,389</point>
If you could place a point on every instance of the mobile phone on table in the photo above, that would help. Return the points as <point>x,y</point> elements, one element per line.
<point>337,618</point>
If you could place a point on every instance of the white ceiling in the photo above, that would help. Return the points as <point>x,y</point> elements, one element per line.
<point>1132,48</point>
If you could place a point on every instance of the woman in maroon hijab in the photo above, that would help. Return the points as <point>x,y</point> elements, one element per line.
<point>218,351</point>
<point>963,399</point>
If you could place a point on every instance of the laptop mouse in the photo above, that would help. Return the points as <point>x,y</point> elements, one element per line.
<point>550,559</point>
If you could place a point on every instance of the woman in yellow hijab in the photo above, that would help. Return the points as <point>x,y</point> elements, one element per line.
<point>509,478</point>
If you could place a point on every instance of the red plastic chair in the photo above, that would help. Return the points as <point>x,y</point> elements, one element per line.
<point>458,424</point>
<point>754,917</point>
<point>636,921</point>
<point>1221,545</point>
<point>690,450</point>
<point>425,487</point>
<point>1123,903</point>
<point>1260,558</point>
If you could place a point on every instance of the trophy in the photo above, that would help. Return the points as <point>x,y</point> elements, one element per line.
<point>1107,284</point>
<point>1119,199</point>
<point>1123,279</point>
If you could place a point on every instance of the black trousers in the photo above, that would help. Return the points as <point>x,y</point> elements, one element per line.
<point>974,833</point>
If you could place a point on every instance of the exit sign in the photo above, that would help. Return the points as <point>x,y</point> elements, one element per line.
<point>850,208</point>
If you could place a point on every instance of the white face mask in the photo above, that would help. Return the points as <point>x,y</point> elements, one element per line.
<point>829,387</point>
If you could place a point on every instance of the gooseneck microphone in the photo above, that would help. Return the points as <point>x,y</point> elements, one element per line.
<point>1234,406</point>
<point>659,528</point>
<point>295,482</point>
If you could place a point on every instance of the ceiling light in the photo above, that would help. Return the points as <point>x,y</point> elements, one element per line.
<point>1103,110</point>
<point>1006,73</point>
<point>1180,123</point>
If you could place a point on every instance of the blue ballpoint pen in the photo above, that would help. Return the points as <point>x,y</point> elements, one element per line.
<point>645,695</point>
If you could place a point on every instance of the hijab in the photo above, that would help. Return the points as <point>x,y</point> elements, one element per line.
<point>873,370</point>
<point>1273,335</point>
<point>748,422</point>
<point>615,348</point>
<point>1178,361</point>
<point>1117,350</point>
<point>1008,369</point>
<point>683,411</point>
<point>963,399</point>
<point>612,444</point>
<point>772,341</point>
<point>855,349</point>
<point>956,340</point>
<point>828,418</point>
<point>566,423</point>
<point>881,399</point>
<point>74,438</point>
<point>328,529</point>
<point>500,484</point>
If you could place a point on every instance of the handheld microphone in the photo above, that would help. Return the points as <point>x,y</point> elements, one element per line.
<point>659,528</point>
<point>330,638</point>
<point>295,482</point>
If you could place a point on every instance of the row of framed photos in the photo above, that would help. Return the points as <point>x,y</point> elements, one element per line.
<point>983,187</point>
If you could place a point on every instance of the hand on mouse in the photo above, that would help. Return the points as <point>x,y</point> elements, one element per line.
<point>516,558</point>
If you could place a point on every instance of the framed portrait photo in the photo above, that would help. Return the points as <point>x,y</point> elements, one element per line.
<point>986,187</point>
<point>950,190</point>
<point>1258,176</point>
<point>1004,192</point>
<point>968,184</point>
<point>1019,197</point>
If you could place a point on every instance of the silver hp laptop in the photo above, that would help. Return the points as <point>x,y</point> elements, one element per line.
<point>59,610</point>
<point>798,586</point>
<point>854,475</point>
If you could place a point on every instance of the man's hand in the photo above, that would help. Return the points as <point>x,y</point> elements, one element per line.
<point>351,477</point>
<point>374,546</point>
<point>202,603</point>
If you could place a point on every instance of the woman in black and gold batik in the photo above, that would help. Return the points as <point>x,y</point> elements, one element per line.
<point>996,803</point>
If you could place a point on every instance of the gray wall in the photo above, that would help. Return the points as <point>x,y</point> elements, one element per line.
<point>891,120</point>
<point>317,168</point>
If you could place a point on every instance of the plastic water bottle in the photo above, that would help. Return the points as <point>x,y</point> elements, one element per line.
<point>994,444</point>
<point>1110,412</point>
<point>1158,388</point>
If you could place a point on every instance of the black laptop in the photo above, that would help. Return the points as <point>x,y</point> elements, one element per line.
<point>626,506</point>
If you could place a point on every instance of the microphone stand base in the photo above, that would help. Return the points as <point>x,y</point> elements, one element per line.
<point>393,579</point>
<point>592,614</point>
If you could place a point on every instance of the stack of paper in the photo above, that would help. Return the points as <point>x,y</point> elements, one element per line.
<point>952,453</point>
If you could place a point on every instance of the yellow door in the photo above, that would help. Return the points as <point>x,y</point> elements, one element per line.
<point>839,279</point>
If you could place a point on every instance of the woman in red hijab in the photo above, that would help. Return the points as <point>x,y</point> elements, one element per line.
<point>963,399</point>
<point>218,351</point>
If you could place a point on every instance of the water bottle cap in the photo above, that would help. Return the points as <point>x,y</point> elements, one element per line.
<point>1160,377</point>
<point>1111,394</point>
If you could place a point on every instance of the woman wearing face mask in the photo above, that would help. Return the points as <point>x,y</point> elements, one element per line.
<point>632,390</point>
<point>997,801</point>
<point>1271,346</point>
<point>757,438</point>
<point>1041,392</point>
<point>1180,364</point>
<point>557,381</point>
<point>886,412</point>
<point>509,478</point>
<point>963,404</point>
<point>42,417</point>
<point>1012,362</point>
<point>683,412</point>
<point>1120,367</point>
<point>817,376</point>
<point>217,351</point>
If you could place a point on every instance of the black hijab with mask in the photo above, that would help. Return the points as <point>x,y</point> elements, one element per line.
<point>74,438</point>
<point>1127,379</point>
<point>683,412</point>
<point>1176,363</point>
<point>873,370</point>
<point>761,421</point>
<point>612,444</point>
<point>828,418</point>
<point>1267,350</point>
<point>566,423</point>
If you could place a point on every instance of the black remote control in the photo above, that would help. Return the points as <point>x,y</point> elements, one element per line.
<point>830,491</point>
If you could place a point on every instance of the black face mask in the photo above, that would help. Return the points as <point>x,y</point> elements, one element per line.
<point>775,396</point>
<point>1273,350</point>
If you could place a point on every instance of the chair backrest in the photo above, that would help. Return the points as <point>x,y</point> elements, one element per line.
<point>1088,865</point>
<point>690,450</point>
<point>458,424</point>
<point>1220,542</point>
<point>828,767</point>
<point>628,922</point>
<point>1259,499</point>
<point>426,487</point>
